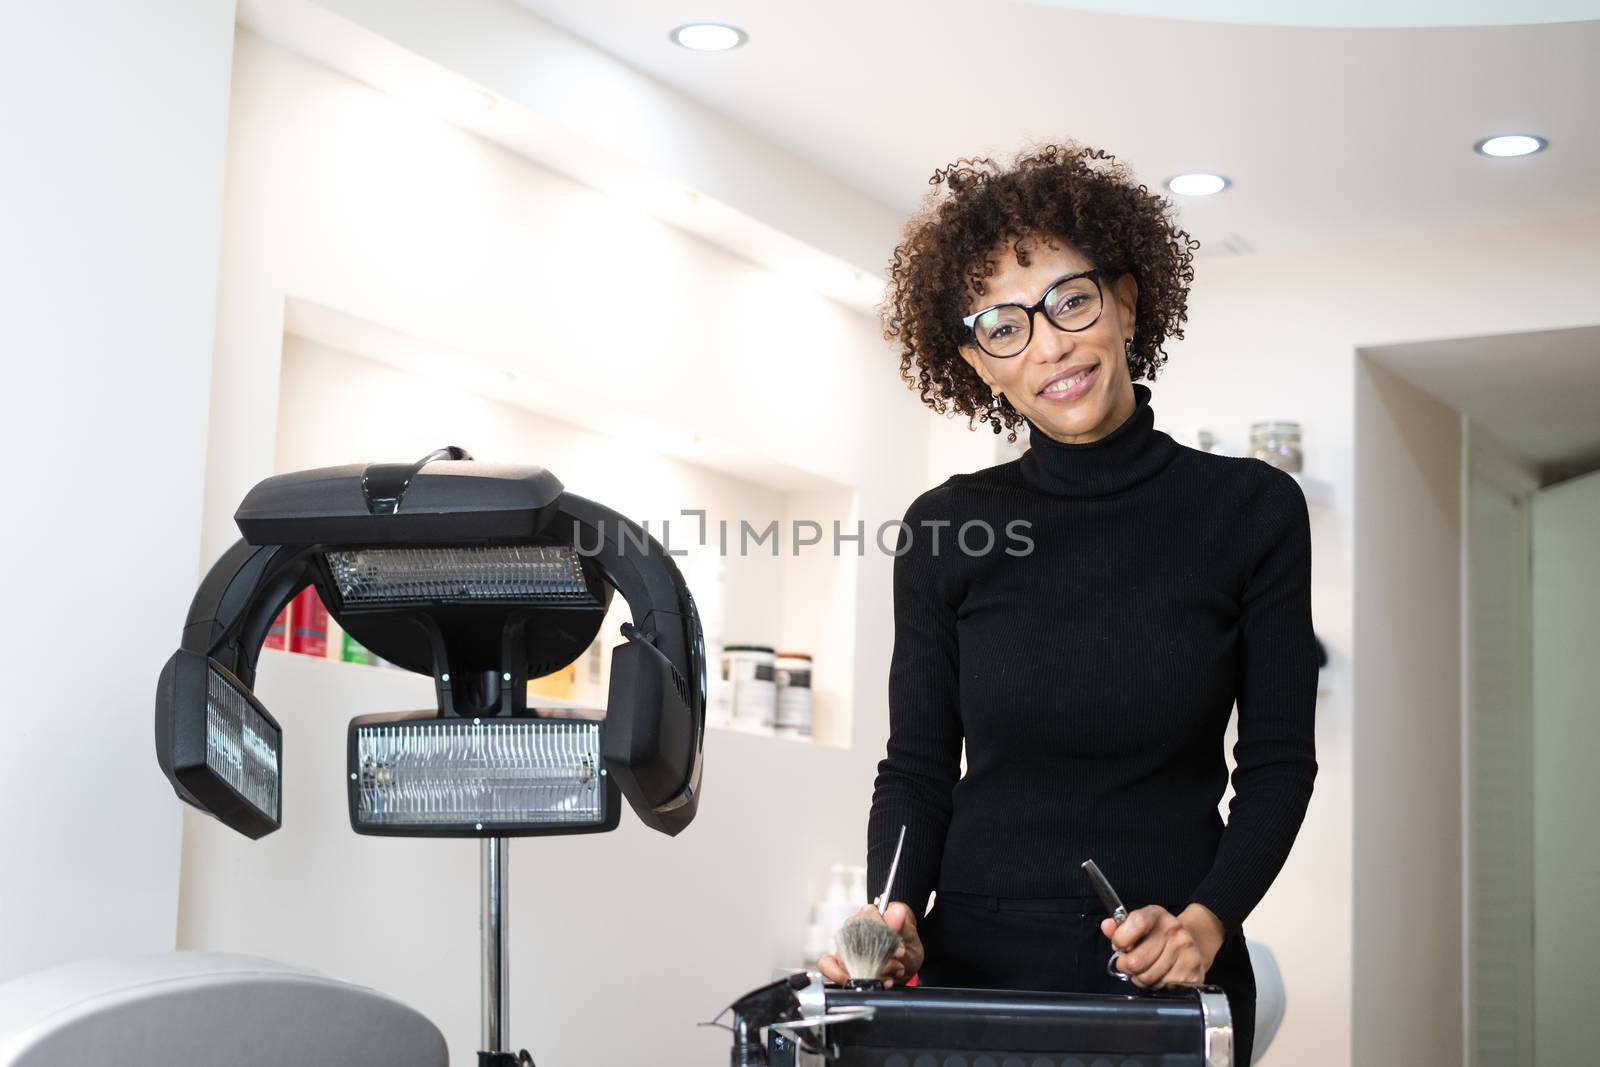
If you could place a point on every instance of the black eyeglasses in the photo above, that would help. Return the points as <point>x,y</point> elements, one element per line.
<point>1072,303</point>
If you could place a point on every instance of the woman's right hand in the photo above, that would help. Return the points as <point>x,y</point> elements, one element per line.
<point>907,959</point>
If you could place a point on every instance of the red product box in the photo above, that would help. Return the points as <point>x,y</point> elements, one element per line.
<point>278,632</point>
<point>308,633</point>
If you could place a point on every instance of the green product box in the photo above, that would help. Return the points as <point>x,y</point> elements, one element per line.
<point>355,652</point>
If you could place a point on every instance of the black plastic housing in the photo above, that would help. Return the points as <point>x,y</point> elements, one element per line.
<point>181,703</point>
<point>943,1025</point>
<point>646,752</point>
<point>332,505</point>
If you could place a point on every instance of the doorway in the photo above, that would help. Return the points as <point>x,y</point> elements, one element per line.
<point>1512,751</point>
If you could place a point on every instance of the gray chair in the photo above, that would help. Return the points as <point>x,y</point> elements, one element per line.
<point>174,1009</point>
<point>1271,997</point>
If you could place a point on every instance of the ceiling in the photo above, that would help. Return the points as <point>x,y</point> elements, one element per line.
<point>1330,135</point>
<point>1538,393</point>
<point>1348,12</point>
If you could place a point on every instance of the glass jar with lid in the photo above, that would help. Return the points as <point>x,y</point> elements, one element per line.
<point>1277,443</point>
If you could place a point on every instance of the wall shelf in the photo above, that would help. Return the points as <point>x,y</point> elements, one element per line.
<point>1319,494</point>
<point>408,687</point>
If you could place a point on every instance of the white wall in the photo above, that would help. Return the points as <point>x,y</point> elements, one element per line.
<point>342,198</point>
<point>1259,347</point>
<point>1566,796</point>
<point>1498,772</point>
<point>115,119</point>
<point>1407,797</point>
<point>1277,337</point>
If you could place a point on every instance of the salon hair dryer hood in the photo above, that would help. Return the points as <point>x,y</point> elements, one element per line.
<point>480,638</point>
<point>361,503</point>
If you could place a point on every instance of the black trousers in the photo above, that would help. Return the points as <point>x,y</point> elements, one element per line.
<point>1056,945</point>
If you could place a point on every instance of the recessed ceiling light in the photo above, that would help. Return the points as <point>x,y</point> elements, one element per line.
<point>1199,184</point>
<point>1511,144</point>
<point>709,36</point>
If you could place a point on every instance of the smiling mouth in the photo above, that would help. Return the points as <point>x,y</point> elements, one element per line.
<point>1063,386</point>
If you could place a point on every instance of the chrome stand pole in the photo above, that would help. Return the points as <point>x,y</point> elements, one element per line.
<point>493,926</point>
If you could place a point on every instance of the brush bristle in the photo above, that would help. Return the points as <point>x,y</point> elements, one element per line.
<point>865,945</point>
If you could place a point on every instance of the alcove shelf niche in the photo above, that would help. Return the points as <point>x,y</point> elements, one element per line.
<point>351,391</point>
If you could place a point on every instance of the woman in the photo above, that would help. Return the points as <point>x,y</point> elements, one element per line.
<point>1088,650</point>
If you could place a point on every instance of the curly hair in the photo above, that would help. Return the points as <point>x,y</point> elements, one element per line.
<point>1066,192</point>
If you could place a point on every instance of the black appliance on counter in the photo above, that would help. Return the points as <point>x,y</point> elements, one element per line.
<point>809,1024</point>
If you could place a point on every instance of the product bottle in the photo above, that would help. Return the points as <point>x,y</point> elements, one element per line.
<point>829,914</point>
<point>333,640</point>
<point>707,574</point>
<point>278,632</point>
<point>792,673</point>
<point>858,885</point>
<point>308,633</point>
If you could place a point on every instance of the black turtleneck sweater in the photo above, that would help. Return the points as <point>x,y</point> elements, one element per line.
<point>1092,673</point>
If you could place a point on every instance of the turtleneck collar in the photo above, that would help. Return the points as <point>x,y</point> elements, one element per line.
<point>1132,452</point>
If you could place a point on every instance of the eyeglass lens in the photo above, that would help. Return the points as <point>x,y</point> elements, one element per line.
<point>1072,305</point>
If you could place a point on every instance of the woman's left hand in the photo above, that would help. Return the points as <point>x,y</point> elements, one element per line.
<point>1162,949</point>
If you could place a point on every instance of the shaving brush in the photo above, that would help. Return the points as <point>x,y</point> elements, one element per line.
<point>866,944</point>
